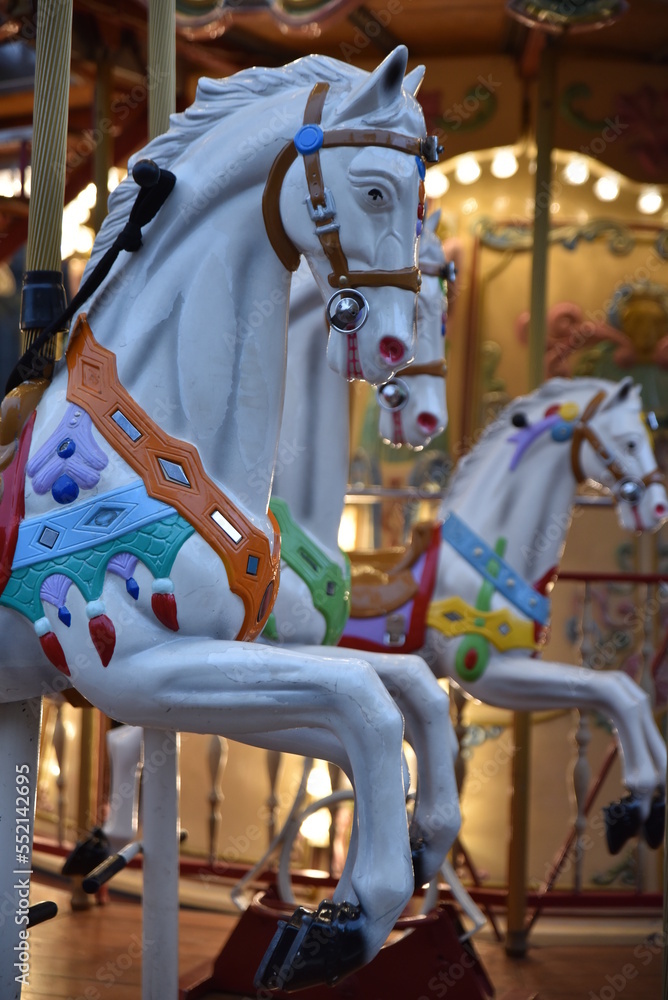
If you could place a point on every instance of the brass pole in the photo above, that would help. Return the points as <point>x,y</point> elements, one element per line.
<point>161,65</point>
<point>516,940</point>
<point>43,294</point>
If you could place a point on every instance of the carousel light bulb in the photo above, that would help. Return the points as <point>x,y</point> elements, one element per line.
<point>606,187</point>
<point>504,164</point>
<point>576,171</point>
<point>436,184</point>
<point>467,170</point>
<point>649,201</point>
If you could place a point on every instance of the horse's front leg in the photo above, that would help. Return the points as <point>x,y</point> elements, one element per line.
<point>236,689</point>
<point>426,711</point>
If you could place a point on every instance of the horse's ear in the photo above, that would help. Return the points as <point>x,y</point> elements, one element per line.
<point>623,391</point>
<point>432,221</point>
<point>413,80</point>
<point>381,88</point>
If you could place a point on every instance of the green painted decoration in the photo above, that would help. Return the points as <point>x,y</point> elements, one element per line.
<point>328,585</point>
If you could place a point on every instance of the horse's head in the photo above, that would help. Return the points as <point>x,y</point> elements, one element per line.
<point>611,446</point>
<point>350,202</point>
<point>413,406</point>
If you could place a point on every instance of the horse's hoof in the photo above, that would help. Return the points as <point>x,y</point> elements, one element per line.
<point>87,854</point>
<point>314,948</point>
<point>418,851</point>
<point>654,825</point>
<point>623,820</point>
<point>268,976</point>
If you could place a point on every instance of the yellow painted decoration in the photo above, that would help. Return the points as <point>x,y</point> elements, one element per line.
<point>569,411</point>
<point>503,629</point>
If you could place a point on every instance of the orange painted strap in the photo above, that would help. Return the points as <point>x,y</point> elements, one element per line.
<point>180,481</point>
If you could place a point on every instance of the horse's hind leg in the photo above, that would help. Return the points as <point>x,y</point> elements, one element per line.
<point>19,752</point>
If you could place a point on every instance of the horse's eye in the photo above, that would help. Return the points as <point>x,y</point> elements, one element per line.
<point>375,194</point>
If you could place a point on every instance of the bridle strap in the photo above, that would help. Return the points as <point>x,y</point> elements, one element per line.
<point>326,230</point>
<point>583,432</point>
<point>438,368</point>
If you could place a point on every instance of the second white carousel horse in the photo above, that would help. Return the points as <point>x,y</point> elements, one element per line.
<point>496,554</point>
<point>157,440</point>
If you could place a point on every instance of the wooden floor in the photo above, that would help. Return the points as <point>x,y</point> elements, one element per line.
<point>95,955</point>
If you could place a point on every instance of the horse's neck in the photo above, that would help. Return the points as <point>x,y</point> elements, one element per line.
<point>313,454</point>
<point>530,507</point>
<point>198,328</point>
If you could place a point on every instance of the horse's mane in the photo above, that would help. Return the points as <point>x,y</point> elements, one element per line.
<point>214,101</point>
<point>548,393</point>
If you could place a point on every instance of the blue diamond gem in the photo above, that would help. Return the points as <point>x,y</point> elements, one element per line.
<point>252,565</point>
<point>132,587</point>
<point>65,616</point>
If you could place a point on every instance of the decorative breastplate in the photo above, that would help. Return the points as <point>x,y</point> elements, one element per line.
<point>82,539</point>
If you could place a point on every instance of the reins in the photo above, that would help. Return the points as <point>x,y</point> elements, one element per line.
<point>155,184</point>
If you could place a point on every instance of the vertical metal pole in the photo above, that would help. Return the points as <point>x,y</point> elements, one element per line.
<point>19,750</point>
<point>160,835</point>
<point>160,839</point>
<point>516,941</point>
<point>161,65</point>
<point>43,294</point>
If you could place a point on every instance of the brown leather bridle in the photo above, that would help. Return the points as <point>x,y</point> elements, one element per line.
<point>629,489</point>
<point>309,140</point>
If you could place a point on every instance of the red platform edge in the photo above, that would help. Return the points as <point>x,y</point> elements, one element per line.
<point>428,959</point>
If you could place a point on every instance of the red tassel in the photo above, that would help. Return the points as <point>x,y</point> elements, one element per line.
<point>54,652</point>
<point>164,609</point>
<point>103,634</point>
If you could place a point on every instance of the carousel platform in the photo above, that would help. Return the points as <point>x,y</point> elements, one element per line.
<point>96,953</point>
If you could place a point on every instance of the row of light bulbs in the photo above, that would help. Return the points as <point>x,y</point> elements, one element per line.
<point>576,171</point>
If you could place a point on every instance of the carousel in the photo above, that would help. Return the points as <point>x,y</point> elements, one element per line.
<point>396,733</point>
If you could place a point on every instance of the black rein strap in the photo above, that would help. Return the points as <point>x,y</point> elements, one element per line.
<point>155,186</point>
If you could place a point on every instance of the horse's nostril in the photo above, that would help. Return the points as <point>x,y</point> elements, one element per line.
<point>427,422</point>
<point>660,510</point>
<point>391,350</point>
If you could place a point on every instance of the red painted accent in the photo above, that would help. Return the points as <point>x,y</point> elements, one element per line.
<point>427,422</point>
<point>421,210</point>
<point>391,349</point>
<point>103,634</point>
<point>12,505</point>
<point>54,652</point>
<point>415,635</point>
<point>541,633</point>
<point>164,609</point>
<point>471,659</point>
<point>551,410</point>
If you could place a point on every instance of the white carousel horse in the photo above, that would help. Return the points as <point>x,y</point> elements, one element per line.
<point>160,446</point>
<point>310,483</point>
<point>504,522</point>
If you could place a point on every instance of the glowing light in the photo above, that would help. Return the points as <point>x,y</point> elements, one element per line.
<point>504,164</point>
<point>88,196</point>
<point>467,170</point>
<point>319,784</point>
<point>469,206</point>
<point>10,183</point>
<point>315,828</point>
<point>576,171</point>
<point>607,187</point>
<point>649,201</point>
<point>554,207</point>
<point>436,184</point>
<point>348,529</point>
<point>114,178</point>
